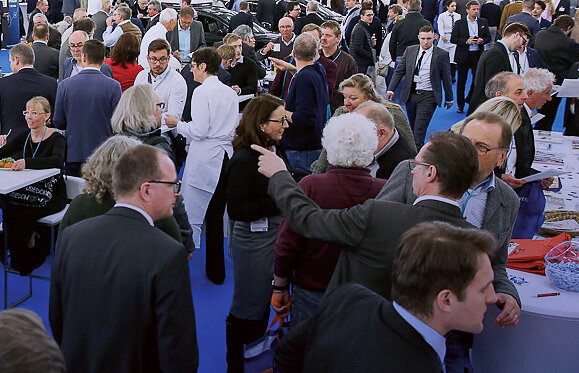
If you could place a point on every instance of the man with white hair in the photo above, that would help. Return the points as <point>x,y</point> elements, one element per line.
<point>310,17</point>
<point>167,22</point>
<point>283,45</point>
<point>153,10</point>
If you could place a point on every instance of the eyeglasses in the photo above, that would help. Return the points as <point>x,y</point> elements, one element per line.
<point>76,46</point>
<point>160,60</point>
<point>160,105</point>
<point>412,164</point>
<point>33,113</point>
<point>483,149</point>
<point>525,40</point>
<point>176,184</point>
<point>282,121</point>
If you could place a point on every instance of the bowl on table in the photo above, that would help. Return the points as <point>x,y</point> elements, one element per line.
<point>562,265</point>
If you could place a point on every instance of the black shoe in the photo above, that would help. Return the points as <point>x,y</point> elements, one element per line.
<point>453,80</point>
<point>217,280</point>
<point>460,110</point>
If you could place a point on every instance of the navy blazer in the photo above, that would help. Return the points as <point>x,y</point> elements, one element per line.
<point>527,19</point>
<point>240,18</point>
<point>68,64</point>
<point>15,91</point>
<point>534,58</point>
<point>439,73</point>
<point>84,107</point>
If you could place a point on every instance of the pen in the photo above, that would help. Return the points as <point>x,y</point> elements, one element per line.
<point>547,295</point>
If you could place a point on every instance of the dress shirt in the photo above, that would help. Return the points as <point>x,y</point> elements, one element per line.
<point>422,81</point>
<point>110,36</point>
<point>472,31</point>
<point>75,68</point>
<point>473,207</point>
<point>431,336</point>
<point>171,88</point>
<point>157,31</point>
<point>137,209</point>
<point>374,166</point>
<point>523,61</point>
<point>511,58</point>
<point>436,198</point>
<point>184,43</point>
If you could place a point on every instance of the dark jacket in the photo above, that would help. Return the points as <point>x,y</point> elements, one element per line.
<point>240,18</point>
<point>244,75</point>
<point>197,37</point>
<point>405,33</point>
<point>492,13</point>
<point>564,7</point>
<point>460,35</point>
<point>361,45</point>
<point>400,151</point>
<point>527,19</point>
<point>534,58</point>
<point>265,10</point>
<point>307,19</point>
<point>45,59</point>
<point>557,50</point>
<point>525,144</point>
<point>69,63</point>
<point>247,51</point>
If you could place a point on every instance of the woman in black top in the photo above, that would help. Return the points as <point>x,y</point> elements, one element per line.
<point>39,148</point>
<point>256,220</point>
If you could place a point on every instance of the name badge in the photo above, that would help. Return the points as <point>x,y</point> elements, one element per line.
<point>259,225</point>
<point>276,47</point>
<point>561,9</point>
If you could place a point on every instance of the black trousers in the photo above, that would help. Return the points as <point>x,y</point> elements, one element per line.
<point>420,109</point>
<point>214,255</point>
<point>240,332</point>
<point>549,110</point>
<point>463,68</point>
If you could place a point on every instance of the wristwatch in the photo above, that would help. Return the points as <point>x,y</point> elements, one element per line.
<point>279,288</point>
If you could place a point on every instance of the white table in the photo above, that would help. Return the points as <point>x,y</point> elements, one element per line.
<point>14,180</point>
<point>545,340</point>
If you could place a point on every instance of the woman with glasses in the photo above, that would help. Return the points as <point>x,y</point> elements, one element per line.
<point>256,220</point>
<point>98,190</point>
<point>123,60</point>
<point>138,115</point>
<point>38,148</point>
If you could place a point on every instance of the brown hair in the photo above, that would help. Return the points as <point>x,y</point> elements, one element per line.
<point>426,28</point>
<point>40,31</point>
<point>209,57</point>
<point>471,3</point>
<point>187,11</point>
<point>135,167</point>
<point>515,27</point>
<point>226,52</point>
<point>159,45</point>
<point>312,27</point>
<point>436,256</point>
<point>255,113</point>
<point>334,26</point>
<point>243,5</point>
<point>94,51</point>
<point>126,50</point>
<point>83,24</point>
<point>230,38</point>
<point>563,22</point>
<point>455,159</point>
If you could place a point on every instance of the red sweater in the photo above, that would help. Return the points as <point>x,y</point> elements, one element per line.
<point>310,263</point>
<point>125,76</point>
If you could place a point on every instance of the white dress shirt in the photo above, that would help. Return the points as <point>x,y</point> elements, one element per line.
<point>110,36</point>
<point>137,209</point>
<point>436,198</point>
<point>422,81</point>
<point>171,88</point>
<point>158,31</point>
<point>472,31</point>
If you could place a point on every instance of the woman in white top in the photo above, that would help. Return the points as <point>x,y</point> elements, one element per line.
<point>446,22</point>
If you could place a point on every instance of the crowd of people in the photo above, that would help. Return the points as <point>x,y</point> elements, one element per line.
<point>383,247</point>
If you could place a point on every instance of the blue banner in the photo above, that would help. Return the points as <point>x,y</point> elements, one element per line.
<point>13,36</point>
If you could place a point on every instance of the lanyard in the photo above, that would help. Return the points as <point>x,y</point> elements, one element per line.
<point>37,146</point>
<point>510,150</point>
<point>473,190</point>
<point>335,58</point>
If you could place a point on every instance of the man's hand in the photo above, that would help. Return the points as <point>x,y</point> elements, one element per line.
<point>545,183</point>
<point>190,255</point>
<point>443,38</point>
<point>171,121</point>
<point>480,40</point>
<point>470,41</point>
<point>512,181</point>
<point>269,163</point>
<point>509,316</point>
<point>280,302</point>
<point>19,165</point>
<point>177,55</point>
<point>268,47</point>
<point>140,15</point>
<point>236,89</point>
<point>389,95</point>
<point>282,65</point>
<point>109,21</point>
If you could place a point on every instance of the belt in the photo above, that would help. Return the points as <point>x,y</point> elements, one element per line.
<point>421,91</point>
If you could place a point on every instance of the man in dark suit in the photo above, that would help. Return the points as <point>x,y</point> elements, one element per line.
<point>125,283</point>
<point>42,8</point>
<point>72,65</point>
<point>154,12</point>
<point>265,11</point>
<point>407,335</point>
<point>54,37</point>
<point>470,36</point>
<point>559,52</point>
<point>426,70</point>
<point>526,17</point>
<point>45,57</point>
<point>241,18</point>
<point>370,232</point>
<point>84,113</point>
<point>538,10</point>
<point>16,89</point>
<point>310,17</point>
<point>496,60</point>
<point>562,7</point>
<point>178,37</point>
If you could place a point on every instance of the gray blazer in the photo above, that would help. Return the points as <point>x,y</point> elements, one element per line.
<point>439,73</point>
<point>100,21</point>
<point>499,218</point>
<point>197,37</point>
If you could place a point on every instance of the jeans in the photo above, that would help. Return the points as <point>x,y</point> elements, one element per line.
<point>300,161</point>
<point>304,304</point>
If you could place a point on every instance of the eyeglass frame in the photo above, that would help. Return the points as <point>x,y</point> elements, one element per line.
<point>282,121</point>
<point>155,60</point>
<point>26,112</point>
<point>160,105</point>
<point>413,163</point>
<point>486,149</point>
<point>176,184</point>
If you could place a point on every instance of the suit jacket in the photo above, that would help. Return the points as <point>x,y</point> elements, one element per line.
<point>460,35</point>
<point>544,24</point>
<point>31,24</point>
<point>491,62</point>
<point>307,19</point>
<point>265,10</point>
<point>400,151</point>
<point>499,218</point>
<point>247,51</point>
<point>439,73</point>
<point>509,10</point>
<point>100,21</point>
<point>45,59</point>
<point>130,288</point>
<point>16,90</point>
<point>558,51</point>
<point>68,64</point>
<point>197,37</point>
<point>369,248</point>
<point>240,18</point>
<point>405,33</point>
<point>355,330</point>
<point>152,22</point>
<point>534,58</point>
<point>84,113</point>
<point>527,19</point>
<point>525,144</point>
<point>54,37</point>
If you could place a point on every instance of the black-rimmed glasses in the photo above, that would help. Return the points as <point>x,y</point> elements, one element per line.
<point>412,164</point>
<point>160,105</point>
<point>483,149</point>
<point>176,184</point>
<point>282,121</point>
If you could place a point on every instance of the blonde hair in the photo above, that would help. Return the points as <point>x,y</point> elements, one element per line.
<point>43,102</point>
<point>502,106</point>
<point>364,84</point>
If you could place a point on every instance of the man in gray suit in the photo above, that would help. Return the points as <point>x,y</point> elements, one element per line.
<point>187,37</point>
<point>425,69</point>
<point>100,19</point>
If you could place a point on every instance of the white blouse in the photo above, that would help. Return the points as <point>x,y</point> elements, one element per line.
<point>445,23</point>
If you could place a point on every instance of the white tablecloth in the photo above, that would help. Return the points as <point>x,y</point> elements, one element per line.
<point>14,180</point>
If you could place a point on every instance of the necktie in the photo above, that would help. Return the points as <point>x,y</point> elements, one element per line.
<point>516,55</point>
<point>452,19</point>
<point>417,68</point>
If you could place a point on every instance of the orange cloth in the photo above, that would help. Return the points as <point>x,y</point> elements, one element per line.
<point>529,255</point>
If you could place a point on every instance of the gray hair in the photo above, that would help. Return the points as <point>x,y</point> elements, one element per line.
<point>40,15</point>
<point>156,5</point>
<point>26,346</point>
<point>78,12</point>
<point>499,83</point>
<point>124,11</point>
<point>98,169</point>
<point>285,19</point>
<point>243,31</point>
<point>538,80</point>
<point>350,140</point>
<point>377,113</point>
<point>24,52</point>
<point>168,15</point>
<point>135,111</point>
<point>313,6</point>
<point>105,4</point>
<point>305,47</point>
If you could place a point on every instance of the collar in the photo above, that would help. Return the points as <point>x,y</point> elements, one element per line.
<point>350,170</point>
<point>181,28</point>
<point>289,42</point>
<point>469,21</point>
<point>210,79</point>
<point>137,209</point>
<point>90,68</point>
<point>338,50</point>
<point>162,76</point>
<point>504,45</point>
<point>26,67</point>
<point>487,187</point>
<point>239,61</point>
<point>431,49</point>
<point>437,198</point>
<point>41,41</point>
<point>125,21</point>
<point>431,336</point>
<point>528,109</point>
<point>388,145</point>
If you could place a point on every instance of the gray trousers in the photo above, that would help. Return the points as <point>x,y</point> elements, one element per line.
<point>420,109</point>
